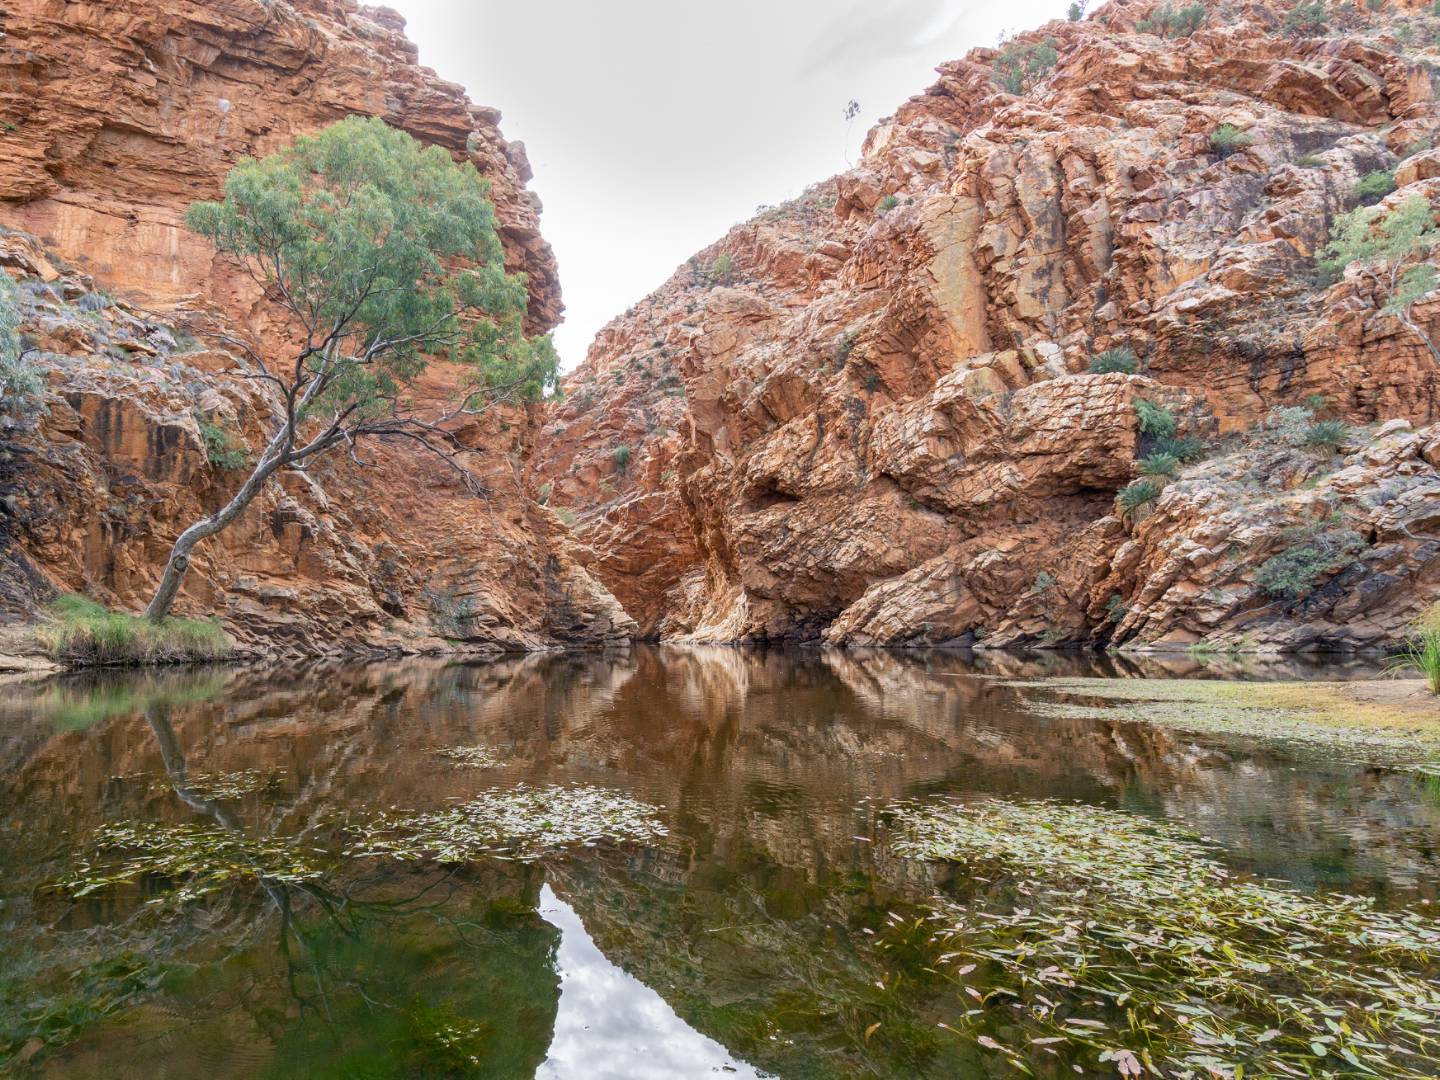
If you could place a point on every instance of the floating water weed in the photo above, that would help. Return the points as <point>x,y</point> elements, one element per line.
<point>1120,942</point>
<point>521,823</point>
<point>192,860</point>
<point>474,757</point>
<point>222,785</point>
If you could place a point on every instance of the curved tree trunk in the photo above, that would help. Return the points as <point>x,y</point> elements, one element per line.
<point>179,562</point>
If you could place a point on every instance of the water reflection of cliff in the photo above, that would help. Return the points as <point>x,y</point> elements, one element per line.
<point>751,922</point>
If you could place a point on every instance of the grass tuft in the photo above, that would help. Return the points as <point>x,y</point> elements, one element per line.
<point>1422,652</point>
<point>84,633</point>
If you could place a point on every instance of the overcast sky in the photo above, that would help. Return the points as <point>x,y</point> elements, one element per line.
<point>655,125</point>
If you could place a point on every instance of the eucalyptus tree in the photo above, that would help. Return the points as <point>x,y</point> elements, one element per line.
<point>1395,249</point>
<point>384,257</point>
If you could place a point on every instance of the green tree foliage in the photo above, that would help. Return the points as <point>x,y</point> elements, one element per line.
<point>1374,186</point>
<point>384,256</point>
<point>1076,11</point>
<point>1174,22</point>
<point>1386,247</point>
<point>1227,139</point>
<point>1021,64</point>
<point>1122,360</point>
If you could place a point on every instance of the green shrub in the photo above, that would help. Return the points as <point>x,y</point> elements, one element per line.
<point>82,632</point>
<point>888,203</point>
<point>721,270</point>
<point>1110,361</point>
<point>1186,448</point>
<point>1137,494</point>
<point>20,384</point>
<point>1044,582</point>
<point>1373,187</point>
<point>221,450</point>
<point>1307,20</point>
<point>1314,551</point>
<point>1227,139</point>
<point>1310,161</point>
<point>845,348</point>
<point>1155,421</point>
<point>1326,434</point>
<point>1158,464</point>
<point>1422,652</point>
<point>1172,23</point>
<point>544,493</point>
<point>1076,10</point>
<point>621,456</point>
<point>1021,64</point>
<point>568,516</point>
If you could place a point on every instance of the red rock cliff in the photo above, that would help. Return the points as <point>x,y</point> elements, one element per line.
<point>868,416</point>
<point>116,116</point>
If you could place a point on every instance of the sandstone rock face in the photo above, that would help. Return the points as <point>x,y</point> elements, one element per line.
<point>887,431</point>
<point>116,117</point>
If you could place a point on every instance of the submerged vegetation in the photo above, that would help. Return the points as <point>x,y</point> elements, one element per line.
<point>521,823</point>
<point>184,863</point>
<point>1123,943</point>
<point>83,632</point>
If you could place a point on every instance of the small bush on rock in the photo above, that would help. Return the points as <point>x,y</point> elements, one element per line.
<point>1227,139</point>
<point>1021,64</point>
<point>1326,435</point>
<point>1314,551</point>
<point>1187,448</point>
<point>1174,23</point>
<point>1138,494</point>
<point>1155,420</point>
<point>1374,186</point>
<point>1111,361</point>
<point>1307,20</point>
<point>1158,464</point>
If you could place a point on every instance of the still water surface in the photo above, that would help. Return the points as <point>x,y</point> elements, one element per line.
<point>742,946</point>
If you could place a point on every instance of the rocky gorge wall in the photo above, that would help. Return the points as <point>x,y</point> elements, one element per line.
<point>114,117</point>
<point>867,416</point>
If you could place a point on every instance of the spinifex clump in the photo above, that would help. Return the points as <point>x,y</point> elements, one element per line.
<point>1119,942</point>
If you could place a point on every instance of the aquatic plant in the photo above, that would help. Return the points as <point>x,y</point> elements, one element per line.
<point>474,757</point>
<point>522,823</point>
<point>1120,942</point>
<point>223,785</point>
<point>187,861</point>
<point>83,632</point>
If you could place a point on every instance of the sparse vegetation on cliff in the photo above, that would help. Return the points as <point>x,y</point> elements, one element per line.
<point>1385,246</point>
<point>1021,64</point>
<point>1174,22</point>
<point>1227,139</point>
<point>83,632</point>
<point>1111,361</point>
<point>20,384</point>
<point>1313,551</point>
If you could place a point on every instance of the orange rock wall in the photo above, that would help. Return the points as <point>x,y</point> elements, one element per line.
<point>889,434</point>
